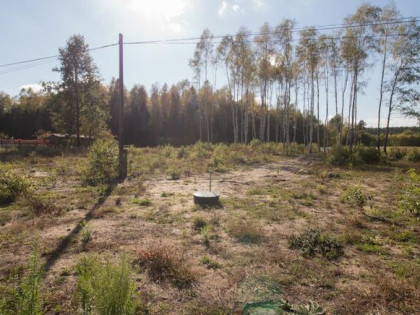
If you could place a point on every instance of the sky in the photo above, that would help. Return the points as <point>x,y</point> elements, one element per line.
<point>32,29</point>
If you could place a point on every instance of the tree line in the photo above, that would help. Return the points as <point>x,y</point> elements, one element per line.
<point>274,80</point>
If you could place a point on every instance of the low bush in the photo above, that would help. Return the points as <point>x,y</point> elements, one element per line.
<point>413,155</point>
<point>29,297</point>
<point>164,263</point>
<point>105,288</point>
<point>12,186</point>
<point>102,165</point>
<point>356,197</point>
<point>410,193</point>
<point>339,155</point>
<point>368,155</point>
<point>397,153</point>
<point>312,241</point>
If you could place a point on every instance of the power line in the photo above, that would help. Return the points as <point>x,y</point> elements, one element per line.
<point>319,28</point>
<point>195,40</point>
<point>51,58</point>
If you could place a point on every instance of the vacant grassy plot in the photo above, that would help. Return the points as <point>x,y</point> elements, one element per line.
<point>291,233</point>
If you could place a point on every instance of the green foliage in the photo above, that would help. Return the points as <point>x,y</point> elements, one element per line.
<point>182,153</point>
<point>397,153</point>
<point>29,299</point>
<point>102,165</point>
<point>368,155</point>
<point>410,193</point>
<point>142,202</point>
<point>209,263</point>
<point>12,186</point>
<point>312,241</point>
<point>356,196</point>
<point>339,155</point>
<point>86,233</point>
<point>105,288</point>
<point>174,174</point>
<point>413,155</point>
<point>199,223</point>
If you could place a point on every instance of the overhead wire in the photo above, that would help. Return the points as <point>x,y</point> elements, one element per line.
<point>26,64</point>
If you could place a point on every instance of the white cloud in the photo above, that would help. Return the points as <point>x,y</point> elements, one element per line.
<point>35,87</point>
<point>175,27</point>
<point>158,16</point>
<point>225,8</point>
<point>258,3</point>
<point>222,9</point>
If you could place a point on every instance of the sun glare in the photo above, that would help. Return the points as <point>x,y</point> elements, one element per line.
<point>158,9</point>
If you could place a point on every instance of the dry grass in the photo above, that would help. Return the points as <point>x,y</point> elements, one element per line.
<point>196,260</point>
<point>164,263</point>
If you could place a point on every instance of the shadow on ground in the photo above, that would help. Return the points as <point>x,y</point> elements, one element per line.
<point>65,242</point>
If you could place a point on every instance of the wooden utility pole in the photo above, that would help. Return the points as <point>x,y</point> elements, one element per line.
<point>122,154</point>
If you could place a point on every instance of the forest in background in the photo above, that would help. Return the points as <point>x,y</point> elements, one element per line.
<point>274,80</point>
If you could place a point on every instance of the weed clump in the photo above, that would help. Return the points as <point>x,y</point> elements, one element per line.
<point>102,165</point>
<point>174,174</point>
<point>30,300</point>
<point>356,196</point>
<point>312,242</point>
<point>209,263</point>
<point>163,263</point>
<point>105,288</point>
<point>12,186</point>
<point>247,233</point>
<point>38,207</point>
<point>410,194</point>
<point>142,202</point>
<point>199,223</point>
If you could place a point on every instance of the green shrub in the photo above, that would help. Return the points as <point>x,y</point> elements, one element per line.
<point>368,155</point>
<point>29,299</point>
<point>105,288</point>
<point>102,165</point>
<point>12,186</point>
<point>397,153</point>
<point>339,155</point>
<point>182,153</point>
<point>410,193</point>
<point>312,241</point>
<point>413,155</point>
<point>356,196</point>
